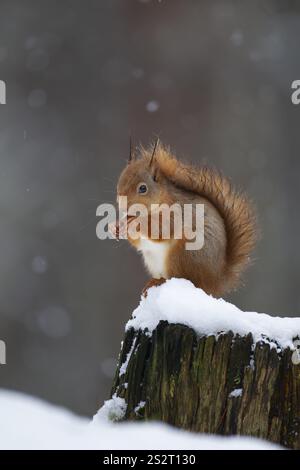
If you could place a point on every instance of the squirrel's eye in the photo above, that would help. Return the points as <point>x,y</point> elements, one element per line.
<point>142,188</point>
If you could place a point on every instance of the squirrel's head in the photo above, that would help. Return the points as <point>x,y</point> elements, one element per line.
<point>141,181</point>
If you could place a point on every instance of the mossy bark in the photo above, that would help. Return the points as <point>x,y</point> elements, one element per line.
<point>187,381</point>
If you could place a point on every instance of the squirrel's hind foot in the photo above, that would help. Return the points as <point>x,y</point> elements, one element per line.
<point>152,283</point>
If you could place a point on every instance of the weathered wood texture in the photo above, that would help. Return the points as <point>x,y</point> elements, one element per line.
<point>187,381</point>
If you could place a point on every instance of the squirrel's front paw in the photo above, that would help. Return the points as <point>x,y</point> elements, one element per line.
<point>152,283</point>
<point>118,229</point>
<point>113,228</point>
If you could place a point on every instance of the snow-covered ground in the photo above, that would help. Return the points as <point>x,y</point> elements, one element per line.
<point>29,423</point>
<point>179,301</point>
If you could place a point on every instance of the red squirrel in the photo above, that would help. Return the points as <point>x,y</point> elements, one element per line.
<point>155,176</point>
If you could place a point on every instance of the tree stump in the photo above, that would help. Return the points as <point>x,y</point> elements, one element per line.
<point>222,384</point>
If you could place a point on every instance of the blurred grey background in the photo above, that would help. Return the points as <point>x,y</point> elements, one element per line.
<point>213,80</point>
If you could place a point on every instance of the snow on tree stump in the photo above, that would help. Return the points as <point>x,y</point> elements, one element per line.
<point>220,383</point>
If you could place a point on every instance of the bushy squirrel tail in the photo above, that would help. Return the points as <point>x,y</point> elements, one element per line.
<point>234,207</point>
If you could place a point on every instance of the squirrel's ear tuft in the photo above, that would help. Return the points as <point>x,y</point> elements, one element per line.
<point>154,172</point>
<point>130,150</point>
<point>153,152</point>
<point>153,166</point>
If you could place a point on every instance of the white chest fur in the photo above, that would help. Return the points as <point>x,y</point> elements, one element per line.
<point>155,254</point>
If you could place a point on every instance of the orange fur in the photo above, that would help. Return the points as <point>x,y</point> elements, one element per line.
<point>234,207</point>
<point>230,226</point>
